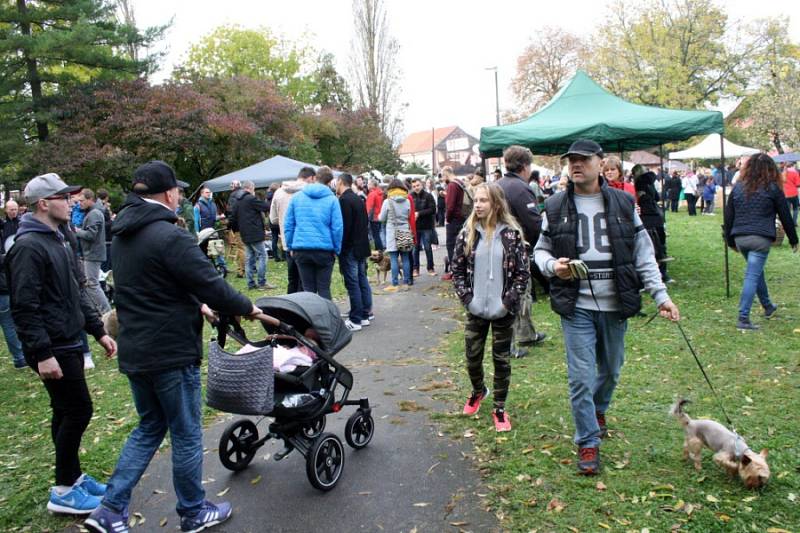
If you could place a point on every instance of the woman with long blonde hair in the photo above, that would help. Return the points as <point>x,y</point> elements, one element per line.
<point>490,274</point>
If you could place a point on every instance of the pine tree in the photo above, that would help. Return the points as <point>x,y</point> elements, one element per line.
<point>47,46</point>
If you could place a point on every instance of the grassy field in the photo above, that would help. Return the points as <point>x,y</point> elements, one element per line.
<point>529,473</point>
<point>26,450</point>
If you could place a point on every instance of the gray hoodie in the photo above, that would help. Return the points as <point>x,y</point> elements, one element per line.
<point>395,214</point>
<point>487,289</point>
<point>92,235</point>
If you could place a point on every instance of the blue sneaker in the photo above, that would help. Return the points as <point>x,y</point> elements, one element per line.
<point>76,501</point>
<point>92,486</point>
<point>104,520</point>
<point>209,516</point>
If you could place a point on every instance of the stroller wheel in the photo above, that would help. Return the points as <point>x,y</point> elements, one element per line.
<point>313,429</point>
<point>236,448</point>
<point>359,429</point>
<point>325,462</point>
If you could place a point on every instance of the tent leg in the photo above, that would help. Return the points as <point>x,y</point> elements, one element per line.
<point>661,178</point>
<point>724,183</point>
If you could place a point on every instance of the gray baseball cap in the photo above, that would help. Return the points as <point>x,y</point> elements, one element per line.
<point>47,185</point>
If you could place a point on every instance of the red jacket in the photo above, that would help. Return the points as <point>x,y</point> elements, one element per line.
<point>453,200</point>
<point>412,219</point>
<point>624,186</point>
<point>374,203</point>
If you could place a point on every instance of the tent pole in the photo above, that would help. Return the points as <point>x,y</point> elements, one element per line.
<point>724,183</point>
<point>661,177</point>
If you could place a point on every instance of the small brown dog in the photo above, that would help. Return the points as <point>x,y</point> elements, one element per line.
<point>382,265</point>
<point>730,450</point>
<point>110,323</point>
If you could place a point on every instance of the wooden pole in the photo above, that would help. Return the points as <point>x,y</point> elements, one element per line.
<point>724,183</point>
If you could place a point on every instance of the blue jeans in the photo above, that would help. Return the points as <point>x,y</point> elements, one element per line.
<point>255,254</point>
<point>754,283</point>
<point>424,239</point>
<point>10,332</point>
<point>406,258</point>
<point>375,229</point>
<point>354,272</point>
<point>595,344</point>
<point>165,400</point>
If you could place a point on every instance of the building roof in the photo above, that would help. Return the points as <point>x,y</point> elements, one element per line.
<point>420,141</point>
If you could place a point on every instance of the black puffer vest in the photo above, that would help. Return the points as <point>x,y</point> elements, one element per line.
<point>562,226</point>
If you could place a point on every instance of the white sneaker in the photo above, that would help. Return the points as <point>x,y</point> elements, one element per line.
<point>364,322</point>
<point>88,364</point>
<point>352,326</point>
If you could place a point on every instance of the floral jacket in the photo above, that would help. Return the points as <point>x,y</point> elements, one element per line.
<point>516,268</point>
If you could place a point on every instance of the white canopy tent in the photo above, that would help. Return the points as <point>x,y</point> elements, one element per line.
<point>709,148</point>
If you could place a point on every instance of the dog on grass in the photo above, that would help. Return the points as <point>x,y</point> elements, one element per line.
<point>110,323</point>
<point>730,450</point>
<point>382,265</point>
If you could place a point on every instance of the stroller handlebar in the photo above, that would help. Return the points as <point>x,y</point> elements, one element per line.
<point>272,321</point>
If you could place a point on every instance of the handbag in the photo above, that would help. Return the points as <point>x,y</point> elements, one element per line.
<point>240,383</point>
<point>402,237</point>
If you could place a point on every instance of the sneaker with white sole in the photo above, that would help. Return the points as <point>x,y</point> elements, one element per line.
<point>104,520</point>
<point>88,363</point>
<point>91,485</point>
<point>365,323</point>
<point>352,326</point>
<point>209,516</point>
<point>74,501</point>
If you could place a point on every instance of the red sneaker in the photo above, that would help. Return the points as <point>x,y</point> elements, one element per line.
<point>588,461</point>
<point>501,420</point>
<point>474,401</point>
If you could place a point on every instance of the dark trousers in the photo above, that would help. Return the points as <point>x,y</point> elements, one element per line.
<point>476,331</point>
<point>315,267</point>
<point>275,230</point>
<point>451,232</point>
<point>375,229</point>
<point>424,241</point>
<point>691,202</point>
<point>541,279</point>
<point>672,204</point>
<point>295,285</point>
<point>72,411</point>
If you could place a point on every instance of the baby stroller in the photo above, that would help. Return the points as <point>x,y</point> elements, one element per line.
<point>213,245</point>
<point>301,398</point>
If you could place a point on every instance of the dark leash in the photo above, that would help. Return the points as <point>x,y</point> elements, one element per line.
<point>702,369</point>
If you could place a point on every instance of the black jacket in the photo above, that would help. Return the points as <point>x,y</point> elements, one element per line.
<point>49,307</point>
<point>161,276</point>
<point>425,207</point>
<point>754,214</point>
<point>647,197</point>
<point>231,207</point>
<point>248,218</point>
<point>355,235</point>
<point>673,186</point>
<point>523,205</point>
<point>562,226</point>
<point>8,228</point>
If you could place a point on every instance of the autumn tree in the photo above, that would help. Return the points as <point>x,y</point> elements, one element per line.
<point>672,53</point>
<point>546,63</point>
<point>232,51</point>
<point>375,73</point>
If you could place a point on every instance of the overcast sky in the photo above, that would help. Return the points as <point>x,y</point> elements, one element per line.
<point>446,45</point>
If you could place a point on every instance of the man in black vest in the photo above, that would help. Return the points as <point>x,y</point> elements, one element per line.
<point>598,225</point>
<point>522,204</point>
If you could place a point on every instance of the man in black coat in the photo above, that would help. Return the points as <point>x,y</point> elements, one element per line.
<point>248,218</point>
<point>51,310</point>
<point>524,206</point>
<point>673,186</point>
<point>425,211</point>
<point>233,237</point>
<point>355,250</point>
<point>164,287</point>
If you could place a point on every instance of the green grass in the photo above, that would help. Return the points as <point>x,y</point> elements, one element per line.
<point>645,482</point>
<point>26,450</point>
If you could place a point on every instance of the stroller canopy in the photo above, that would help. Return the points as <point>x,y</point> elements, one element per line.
<point>317,312</point>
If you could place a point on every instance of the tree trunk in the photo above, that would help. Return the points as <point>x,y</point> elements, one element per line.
<point>776,140</point>
<point>42,130</point>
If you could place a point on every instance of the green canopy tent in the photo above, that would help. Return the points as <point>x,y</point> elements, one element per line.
<point>583,109</point>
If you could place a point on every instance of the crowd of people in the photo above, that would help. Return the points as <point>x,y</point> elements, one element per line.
<point>593,245</point>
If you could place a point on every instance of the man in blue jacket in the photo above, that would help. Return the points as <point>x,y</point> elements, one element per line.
<point>313,229</point>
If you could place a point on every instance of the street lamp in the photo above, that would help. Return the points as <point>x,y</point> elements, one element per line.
<point>496,94</point>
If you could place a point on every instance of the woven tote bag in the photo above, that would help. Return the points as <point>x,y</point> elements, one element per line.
<point>242,384</point>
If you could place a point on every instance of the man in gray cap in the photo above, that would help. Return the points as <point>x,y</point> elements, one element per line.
<point>594,247</point>
<point>163,283</point>
<point>50,310</point>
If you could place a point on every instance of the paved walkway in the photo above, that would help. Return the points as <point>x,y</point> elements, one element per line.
<point>409,479</point>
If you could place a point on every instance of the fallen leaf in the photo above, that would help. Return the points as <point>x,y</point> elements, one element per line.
<point>749,499</point>
<point>523,477</point>
<point>777,530</point>
<point>158,491</point>
<point>723,517</point>
<point>364,493</point>
<point>600,486</point>
<point>555,505</point>
<point>711,498</point>
<point>255,480</point>
<point>421,504</point>
<point>526,451</point>
<point>603,525</point>
<point>163,522</point>
<point>459,524</point>
<point>792,496</point>
<point>434,465</point>
<point>223,492</point>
